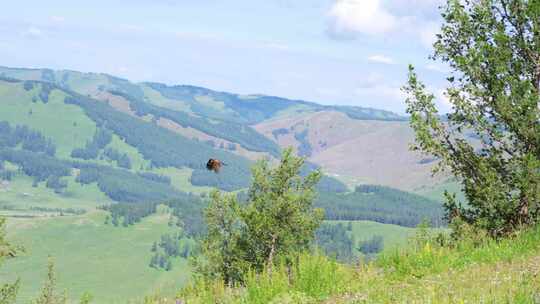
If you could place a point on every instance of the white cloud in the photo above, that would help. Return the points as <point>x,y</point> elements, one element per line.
<point>382,96</point>
<point>428,33</point>
<point>58,19</point>
<point>437,68</point>
<point>371,80</point>
<point>328,92</point>
<point>382,90</point>
<point>362,16</point>
<point>276,46</point>
<point>33,32</point>
<point>381,59</point>
<point>376,17</point>
<point>442,100</point>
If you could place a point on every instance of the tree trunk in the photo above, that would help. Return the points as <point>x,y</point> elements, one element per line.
<point>270,261</point>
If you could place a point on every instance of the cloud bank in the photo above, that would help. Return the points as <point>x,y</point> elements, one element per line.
<point>416,18</point>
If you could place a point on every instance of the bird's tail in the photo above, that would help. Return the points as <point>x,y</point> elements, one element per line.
<point>225,164</point>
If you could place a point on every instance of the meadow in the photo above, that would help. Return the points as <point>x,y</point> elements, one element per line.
<point>491,271</point>
<point>111,263</point>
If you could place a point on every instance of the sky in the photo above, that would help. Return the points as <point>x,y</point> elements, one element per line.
<point>349,52</point>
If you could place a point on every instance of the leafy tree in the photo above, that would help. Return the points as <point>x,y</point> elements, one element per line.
<point>493,48</point>
<point>280,218</point>
<point>49,294</point>
<point>222,247</point>
<point>277,220</point>
<point>86,298</point>
<point>8,291</point>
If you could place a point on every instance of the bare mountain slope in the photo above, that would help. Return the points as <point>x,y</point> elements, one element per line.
<point>356,151</point>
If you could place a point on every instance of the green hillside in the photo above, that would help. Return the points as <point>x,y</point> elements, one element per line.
<point>203,102</point>
<point>381,204</point>
<point>106,261</point>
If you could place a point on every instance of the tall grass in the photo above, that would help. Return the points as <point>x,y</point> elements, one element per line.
<point>425,256</point>
<point>489,271</point>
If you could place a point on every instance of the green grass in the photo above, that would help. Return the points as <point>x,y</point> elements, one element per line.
<point>137,159</point>
<point>437,192</point>
<point>180,179</point>
<point>20,193</point>
<point>109,262</point>
<point>83,83</point>
<point>156,98</point>
<point>29,74</point>
<point>503,271</point>
<point>393,235</point>
<point>66,125</point>
<point>291,111</point>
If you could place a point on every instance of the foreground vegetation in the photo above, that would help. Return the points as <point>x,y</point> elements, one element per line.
<point>470,271</point>
<point>424,272</point>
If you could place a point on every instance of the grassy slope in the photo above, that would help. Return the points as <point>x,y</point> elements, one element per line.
<point>493,272</point>
<point>109,262</point>
<point>21,194</point>
<point>180,179</point>
<point>436,192</point>
<point>66,125</point>
<point>90,256</point>
<point>393,235</point>
<point>137,159</point>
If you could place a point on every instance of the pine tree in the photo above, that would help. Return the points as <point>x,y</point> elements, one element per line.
<point>162,261</point>
<point>115,220</point>
<point>154,261</point>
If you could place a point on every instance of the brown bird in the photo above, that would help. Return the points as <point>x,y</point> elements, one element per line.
<point>214,165</point>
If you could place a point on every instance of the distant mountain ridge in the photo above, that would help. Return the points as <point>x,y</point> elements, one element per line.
<point>356,145</point>
<point>248,109</point>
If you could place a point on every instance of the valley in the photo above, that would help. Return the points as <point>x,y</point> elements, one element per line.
<point>141,148</point>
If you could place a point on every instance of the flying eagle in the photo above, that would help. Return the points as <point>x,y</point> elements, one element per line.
<point>214,165</point>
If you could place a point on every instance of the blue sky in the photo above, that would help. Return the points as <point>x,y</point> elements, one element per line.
<point>352,52</point>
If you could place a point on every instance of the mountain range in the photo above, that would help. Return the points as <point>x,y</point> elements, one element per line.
<point>356,145</point>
